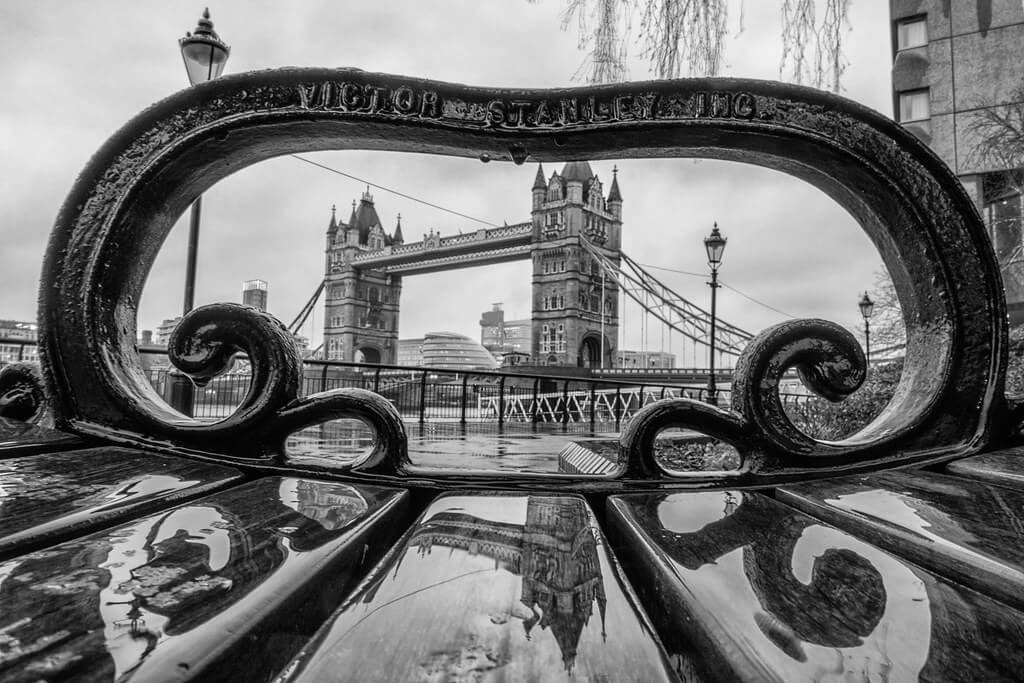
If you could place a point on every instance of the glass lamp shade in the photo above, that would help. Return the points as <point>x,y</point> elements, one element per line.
<point>715,245</point>
<point>866,306</point>
<point>204,53</point>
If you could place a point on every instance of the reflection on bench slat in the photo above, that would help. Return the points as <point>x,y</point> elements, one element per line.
<point>495,587</point>
<point>964,530</point>
<point>747,588</point>
<point>227,586</point>
<point>22,438</point>
<point>51,498</point>
<point>1005,468</point>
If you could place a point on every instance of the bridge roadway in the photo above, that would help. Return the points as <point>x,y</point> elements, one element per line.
<point>662,375</point>
<point>435,253</point>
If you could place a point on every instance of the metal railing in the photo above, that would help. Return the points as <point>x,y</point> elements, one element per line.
<point>437,395</point>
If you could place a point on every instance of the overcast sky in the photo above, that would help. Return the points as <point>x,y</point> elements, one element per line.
<point>74,72</point>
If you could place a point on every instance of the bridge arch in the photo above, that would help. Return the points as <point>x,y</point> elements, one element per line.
<point>126,200</point>
<point>368,354</point>
<point>589,352</point>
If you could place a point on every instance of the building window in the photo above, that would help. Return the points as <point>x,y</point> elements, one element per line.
<point>914,105</point>
<point>911,33</point>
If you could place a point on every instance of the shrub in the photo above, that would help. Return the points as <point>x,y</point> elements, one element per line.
<point>823,419</point>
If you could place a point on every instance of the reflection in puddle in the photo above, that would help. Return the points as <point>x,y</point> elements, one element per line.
<point>492,587</point>
<point>554,553</point>
<point>344,441</point>
<point>540,448</point>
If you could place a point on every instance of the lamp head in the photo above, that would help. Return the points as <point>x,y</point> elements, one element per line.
<point>866,306</point>
<point>205,54</point>
<point>714,244</point>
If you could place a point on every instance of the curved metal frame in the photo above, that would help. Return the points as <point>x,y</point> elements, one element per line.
<point>950,399</point>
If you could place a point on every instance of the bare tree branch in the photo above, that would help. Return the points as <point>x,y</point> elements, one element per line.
<point>999,136</point>
<point>887,328</point>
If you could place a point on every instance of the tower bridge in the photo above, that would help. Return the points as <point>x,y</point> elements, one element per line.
<point>574,308</point>
<point>573,239</point>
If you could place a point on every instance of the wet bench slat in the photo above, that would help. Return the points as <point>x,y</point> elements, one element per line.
<point>490,587</point>
<point>53,497</point>
<point>1005,468</point>
<point>223,588</point>
<point>19,438</point>
<point>745,588</point>
<point>965,530</point>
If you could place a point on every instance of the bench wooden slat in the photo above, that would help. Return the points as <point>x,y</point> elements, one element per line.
<point>19,438</point>
<point>746,588</point>
<point>54,497</point>
<point>1005,468</point>
<point>224,587</point>
<point>491,587</point>
<point>964,530</point>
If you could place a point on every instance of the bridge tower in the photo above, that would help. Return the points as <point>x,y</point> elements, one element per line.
<point>361,304</point>
<point>572,303</point>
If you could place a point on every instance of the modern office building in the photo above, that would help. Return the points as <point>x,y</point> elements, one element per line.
<point>164,329</point>
<point>254,293</point>
<point>445,350</point>
<point>18,341</point>
<point>455,351</point>
<point>958,85</point>
<point>410,352</point>
<point>505,338</point>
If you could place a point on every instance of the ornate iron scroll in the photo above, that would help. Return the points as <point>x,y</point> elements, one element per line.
<point>950,399</point>
<point>22,395</point>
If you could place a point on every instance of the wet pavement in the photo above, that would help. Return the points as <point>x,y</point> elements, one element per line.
<point>541,448</point>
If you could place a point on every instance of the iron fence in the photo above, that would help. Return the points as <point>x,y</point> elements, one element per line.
<point>434,395</point>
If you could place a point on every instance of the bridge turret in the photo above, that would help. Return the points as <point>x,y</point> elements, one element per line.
<point>614,202</point>
<point>576,174</point>
<point>332,232</point>
<point>540,187</point>
<point>397,237</point>
<point>332,227</point>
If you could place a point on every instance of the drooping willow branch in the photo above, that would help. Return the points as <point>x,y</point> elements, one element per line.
<point>687,38</point>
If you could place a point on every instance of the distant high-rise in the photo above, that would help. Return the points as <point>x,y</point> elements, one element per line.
<point>254,293</point>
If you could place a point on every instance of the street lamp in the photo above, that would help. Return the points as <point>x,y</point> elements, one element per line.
<point>205,55</point>
<point>714,244</point>
<point>866,306</point>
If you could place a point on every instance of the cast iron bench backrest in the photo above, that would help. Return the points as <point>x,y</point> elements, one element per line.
<point>950,400</point>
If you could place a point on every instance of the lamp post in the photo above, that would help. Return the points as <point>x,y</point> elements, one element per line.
<point>205,55</point>
<point>866,306</point>
<point>714,244</point>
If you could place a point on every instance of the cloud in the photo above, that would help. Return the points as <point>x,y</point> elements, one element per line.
<point>79,71</point>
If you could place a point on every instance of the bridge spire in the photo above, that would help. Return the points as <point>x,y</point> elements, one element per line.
<point>614,195</point>
<point>333,227</point>
<point>539,182</point>
<point>397,237</point>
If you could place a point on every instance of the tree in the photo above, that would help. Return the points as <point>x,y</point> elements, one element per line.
<point>687,37</point>
<point>997,149</point>
<point>887,328</point>
<point>999,135</point>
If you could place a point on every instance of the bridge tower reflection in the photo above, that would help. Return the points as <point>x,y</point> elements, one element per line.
<point>555,553</point>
